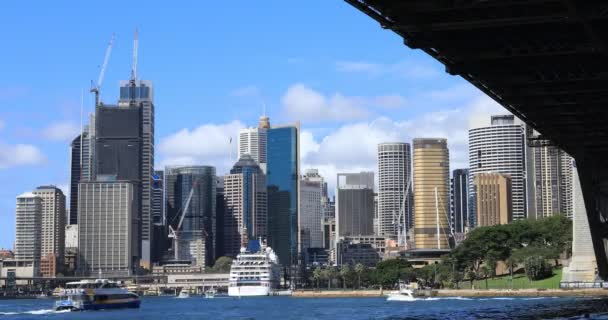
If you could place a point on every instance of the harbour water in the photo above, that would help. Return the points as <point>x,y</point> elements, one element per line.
<point>163,308</point>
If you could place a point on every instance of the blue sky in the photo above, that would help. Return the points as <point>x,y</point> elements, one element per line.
<point>214,64</point>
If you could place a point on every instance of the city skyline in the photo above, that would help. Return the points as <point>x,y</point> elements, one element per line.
<point>326,87</point>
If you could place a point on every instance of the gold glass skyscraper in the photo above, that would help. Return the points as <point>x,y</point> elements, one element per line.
<point>431,193</point>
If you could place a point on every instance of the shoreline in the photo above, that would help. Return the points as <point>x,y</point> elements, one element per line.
<point>475,293</point>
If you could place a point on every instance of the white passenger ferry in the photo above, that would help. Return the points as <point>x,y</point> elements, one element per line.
<point>254,272</point>
<point>95,295</point>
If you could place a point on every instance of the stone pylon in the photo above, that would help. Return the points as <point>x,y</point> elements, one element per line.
<point>582,266</point>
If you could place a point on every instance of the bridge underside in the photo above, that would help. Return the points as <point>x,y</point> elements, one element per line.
<point>544,60</point>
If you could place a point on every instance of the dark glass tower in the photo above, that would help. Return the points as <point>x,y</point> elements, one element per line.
<point>200,216</point>
<point>460,190</point>
<point>282,184</point>
<point>75,175</point>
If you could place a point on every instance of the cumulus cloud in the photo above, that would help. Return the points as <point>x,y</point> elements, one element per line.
<point>61,131</point>
<point>353,147</point>
<point>303,103</point>
<point>19,155</point>
<point>208,144</point>
<point>405,69</point>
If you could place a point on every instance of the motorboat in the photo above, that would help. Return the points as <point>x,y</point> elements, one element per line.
<point>210,294</point>
<point>183,294</point>
<point>406,292</point>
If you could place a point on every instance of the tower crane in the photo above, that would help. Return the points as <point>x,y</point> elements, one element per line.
<point>175,233</point>
<point>134,66</point>
<point>96,87</point>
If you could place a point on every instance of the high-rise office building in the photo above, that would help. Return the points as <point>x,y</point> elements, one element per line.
<point>395,193</point>
<point>355,204</point>
<point>252,141</point>
<point>53,229</point>
<point>159,246</point>
<point>282,175</point>
<point>552,181</point>
<point>139,94</point>
<point>311,208</point>
<point>494,205</point>
<point>220,213</point>
<point>190,191</point>
<point>107,228</point>
<point>431,193</point>
<point>245,204</point>
<point>459,200</point>
<point>81,166</point>
<point>28,228</point>
<point>499,148</point>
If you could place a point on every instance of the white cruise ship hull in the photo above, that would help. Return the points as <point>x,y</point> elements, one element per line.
<point>248,291</point>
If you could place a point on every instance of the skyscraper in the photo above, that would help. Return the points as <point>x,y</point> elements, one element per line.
<point>159,246</point>
<point>81,166</point>
<point>283,172</point>
<point>140,94</point>
<point>252,141</point>
<point>107,228</point>
<point>460,198</point>
<point>394,181</point>
<point>191,191</point>
<point>499,148</point>
<point>552,181</point>
<point>355,204</point>
<point>311,208</point>
<point>245,204</point>
<point>53,228</point>
<point>494,205</point>
<point>28,228</point>
<point>431,193</point>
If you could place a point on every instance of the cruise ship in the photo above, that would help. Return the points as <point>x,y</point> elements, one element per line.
<point>95,295</point>
<point>254,272</point>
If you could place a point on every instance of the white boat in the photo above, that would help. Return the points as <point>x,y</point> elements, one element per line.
<point>254,272</point>
<point>210,294</point>
<point>406,292</point>
<point>95,295</point>
<point>183,294</point>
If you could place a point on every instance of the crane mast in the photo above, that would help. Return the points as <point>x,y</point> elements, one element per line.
<point>175,233</point>
<point>134,66</point>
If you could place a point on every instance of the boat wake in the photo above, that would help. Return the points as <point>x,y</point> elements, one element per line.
<point>33,312</point>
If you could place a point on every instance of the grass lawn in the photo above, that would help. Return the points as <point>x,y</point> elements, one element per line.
<point>520,281</point>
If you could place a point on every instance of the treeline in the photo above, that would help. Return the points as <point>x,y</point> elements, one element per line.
<point>534,245</point>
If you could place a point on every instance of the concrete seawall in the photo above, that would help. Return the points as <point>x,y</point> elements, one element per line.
<point>457,293</point>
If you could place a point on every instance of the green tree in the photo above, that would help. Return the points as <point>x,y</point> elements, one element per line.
<point>222,265</point>
<point>344,274</point>
<point>359,269</point>
<point>485,273</point>
<point>388,272</point>
<point>317,275</point>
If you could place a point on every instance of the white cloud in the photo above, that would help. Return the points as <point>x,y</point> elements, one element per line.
<point>246,91</point>
<point>353,147</point>
<point>405,69</point>
<point>208,144</point>
<point>303,103</point>
<point>19,155</point>
<point>61,131</point>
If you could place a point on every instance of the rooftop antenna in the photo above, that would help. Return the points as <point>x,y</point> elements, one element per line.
<point>134,66</point>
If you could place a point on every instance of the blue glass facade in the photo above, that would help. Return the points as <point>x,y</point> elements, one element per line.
<point>248,168</point>
<point>282,186</point>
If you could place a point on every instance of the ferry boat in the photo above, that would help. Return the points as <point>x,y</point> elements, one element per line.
<point>95,295</point>
<point>254,272</point>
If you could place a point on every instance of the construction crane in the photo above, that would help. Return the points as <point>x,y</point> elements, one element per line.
<point>174,234</point>
<point>96,87</point>
<point>134,66</point>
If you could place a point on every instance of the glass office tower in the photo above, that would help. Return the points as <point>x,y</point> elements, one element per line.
<point>283,168</point>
